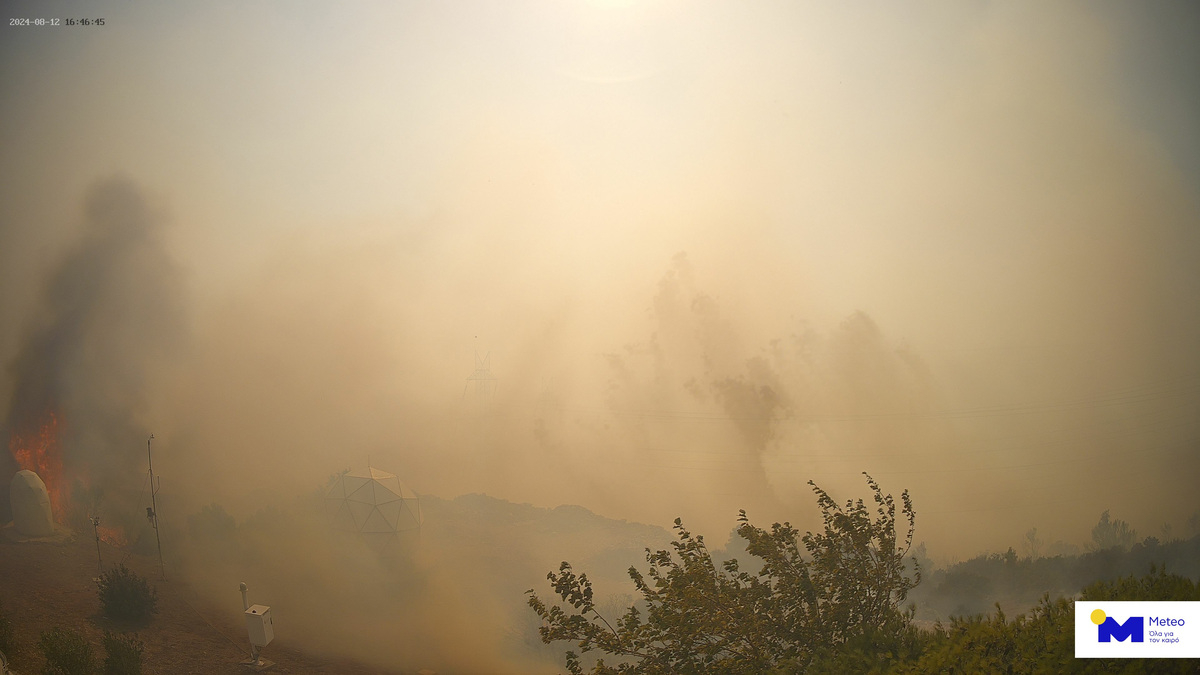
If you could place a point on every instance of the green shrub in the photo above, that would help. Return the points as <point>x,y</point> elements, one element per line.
<point>126,596</point>
<point>67,652</point>
<point>810,594</point>
<point>122,654</point>
<point>1158,585</point>
<point>1043,639</point>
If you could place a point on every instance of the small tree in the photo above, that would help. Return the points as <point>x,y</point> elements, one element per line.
<point>126,596</point>
<point>67,652</point>
<point>1112,534</point>
<point>811,592</point>
<point>1033,544</point>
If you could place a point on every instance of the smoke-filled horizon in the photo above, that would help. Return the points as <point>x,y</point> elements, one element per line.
<point>713,251</point>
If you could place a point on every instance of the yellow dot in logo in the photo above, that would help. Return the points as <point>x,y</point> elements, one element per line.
<point>1098,617</point>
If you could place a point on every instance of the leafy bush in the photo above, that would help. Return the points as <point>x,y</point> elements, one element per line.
<point>67,652</point>
<point>126,596</point>
<point>812,592</point>
<point>122,654</point>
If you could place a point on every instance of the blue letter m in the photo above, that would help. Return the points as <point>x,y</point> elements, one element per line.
<point>1130,630</point>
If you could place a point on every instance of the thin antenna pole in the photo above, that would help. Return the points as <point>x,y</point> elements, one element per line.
<point>96,526</point>
<point>154,508</point>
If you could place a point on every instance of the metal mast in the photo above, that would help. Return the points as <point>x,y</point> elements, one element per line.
<point>96,526</point>
<point>485,382</point>
<point>152,512</point>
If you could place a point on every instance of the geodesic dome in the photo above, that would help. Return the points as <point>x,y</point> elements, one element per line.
<point>375,505</point>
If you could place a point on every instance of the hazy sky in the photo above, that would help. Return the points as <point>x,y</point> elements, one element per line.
<point>955,246</point>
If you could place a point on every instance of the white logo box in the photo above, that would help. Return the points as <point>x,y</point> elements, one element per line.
<point>1169,630</point>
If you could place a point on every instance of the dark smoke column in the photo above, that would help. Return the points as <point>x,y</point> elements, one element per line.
<point>109,309</point>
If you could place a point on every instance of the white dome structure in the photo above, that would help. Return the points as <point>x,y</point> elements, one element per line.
<point>31,505</point>
<point>376,506</point>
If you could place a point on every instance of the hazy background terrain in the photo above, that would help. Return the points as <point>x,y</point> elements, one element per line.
<point>714,251</point>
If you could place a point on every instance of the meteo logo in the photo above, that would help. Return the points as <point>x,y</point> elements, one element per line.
<point>1108,629</point>
<point>1130,629</point>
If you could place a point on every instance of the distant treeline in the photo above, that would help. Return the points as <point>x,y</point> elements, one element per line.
<point>975,586</point>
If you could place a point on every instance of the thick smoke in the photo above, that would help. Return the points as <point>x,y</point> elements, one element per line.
<point>714,401</point>
<point>109,310</point>
<point>955,248</point>
<point>690,401</point>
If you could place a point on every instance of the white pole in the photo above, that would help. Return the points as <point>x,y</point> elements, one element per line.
<point>254,652</point>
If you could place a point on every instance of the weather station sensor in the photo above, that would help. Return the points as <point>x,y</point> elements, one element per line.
<point>258,622</point>
<point>261,628</point>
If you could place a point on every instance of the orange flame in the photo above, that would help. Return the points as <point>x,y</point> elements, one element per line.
<point>41,452</point>
<point>112,536</point>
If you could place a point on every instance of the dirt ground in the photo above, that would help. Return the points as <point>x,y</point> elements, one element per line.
<point>44,584</point>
